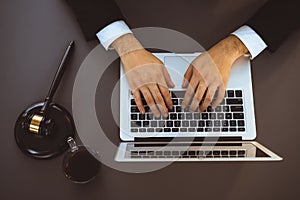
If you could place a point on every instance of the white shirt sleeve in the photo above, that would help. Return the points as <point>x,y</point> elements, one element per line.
<point>111,32</point>
<point>251,40</point>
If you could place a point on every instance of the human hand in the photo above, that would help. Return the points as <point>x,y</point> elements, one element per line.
<point>208,74</point>
<point>146,75</point>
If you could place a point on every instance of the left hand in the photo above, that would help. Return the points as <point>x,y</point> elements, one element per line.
<point>208,74</point>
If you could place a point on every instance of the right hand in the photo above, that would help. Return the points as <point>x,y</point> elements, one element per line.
<point>146,75</point>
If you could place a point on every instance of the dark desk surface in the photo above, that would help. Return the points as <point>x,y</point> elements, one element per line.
<point>33,35</point>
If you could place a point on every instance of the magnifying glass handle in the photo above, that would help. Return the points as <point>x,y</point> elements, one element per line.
<point>72,144</point>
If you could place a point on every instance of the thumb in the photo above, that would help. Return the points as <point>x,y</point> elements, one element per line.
<point>187,76</point>
<point>168,78</point>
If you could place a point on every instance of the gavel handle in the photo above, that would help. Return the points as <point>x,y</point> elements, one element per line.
<point>57,78</point>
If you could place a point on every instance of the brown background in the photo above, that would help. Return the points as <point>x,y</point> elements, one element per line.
<point>33,35</point>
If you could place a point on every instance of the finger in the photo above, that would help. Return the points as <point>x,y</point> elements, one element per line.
<point>187,76</point>
<point>150,101</point>
<point>211,90</point>
<point>160,103</point>
<point>168,78</point>
<point>202,87</point>
<point>190,91</point>
<point>166,95</point>
<point>138,101</point>
<point>220,96</point>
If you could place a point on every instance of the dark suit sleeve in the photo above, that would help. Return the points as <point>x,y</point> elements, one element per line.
<point>93,15</point>
<point>275,21</point>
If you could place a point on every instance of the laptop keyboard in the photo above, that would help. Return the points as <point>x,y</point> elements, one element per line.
<point>189,154</point>
<point>229,116</point>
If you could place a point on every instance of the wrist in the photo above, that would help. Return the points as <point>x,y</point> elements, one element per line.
<point>230,48</point>
<point>236,46</point>
<point>126,44</point>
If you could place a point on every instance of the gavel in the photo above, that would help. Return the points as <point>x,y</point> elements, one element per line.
<point>39,123</point>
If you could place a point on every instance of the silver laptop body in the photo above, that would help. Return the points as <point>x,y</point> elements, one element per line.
<point>224,134</point>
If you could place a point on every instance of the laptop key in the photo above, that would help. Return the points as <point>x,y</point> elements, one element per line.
<point>134,130</point>
<point>178,108</point>
<point>142,130</point>
<point>161,123</point>
<point>167,130</point>
<point>169,123</point>
<point>196,115</point>
<point>225,123</point>
<point>238,93</point>
<point>232,123</point>
<point>200,130</point>
<point>178,94</point>
<point>201,123</point>
<point>232,152</point>
<point>241,123</point>
<point>220,116</point>
<point>150,130</point>
<point>209,123</point>
<point>158,130</point>
<point>225,108</point>
<point>217,123</point>
<point>149,116</point>
<point>224,153</point>
<point>185,123</point>
<point>241,129</point>
<point>191,129</point>
<point>146,123</point>
<point>209,109</point>
<point>218,109</point>
<point>230,93</point>
<point>232,129</point>
<point>238,115</point>
<point>224,129</point>
<point>204,115</point>
<point>153,123</point>
<point>175,129</point>
<point>189,115</point>
<point>208,129</point>
<point>173,116</point>
<point>147,109</point>
<point>175,102</point>
<point>234,101</point>
<point>193,123</point>
<point>177,123</point>
<point>134,109</point>
<point>183,129</point>
<point>228,116</point>
<point>142,116</point>
<point>133,116</point>
<point>216,129</point>
<point>181,116</point>
<point>132,102</point>
<point>212,115</point>
<point>136,124</point>
<point>237,108</point>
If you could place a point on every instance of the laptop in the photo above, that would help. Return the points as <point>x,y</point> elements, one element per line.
<point>226,133</point>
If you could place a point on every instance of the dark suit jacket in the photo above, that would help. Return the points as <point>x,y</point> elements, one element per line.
<point>273,22</point>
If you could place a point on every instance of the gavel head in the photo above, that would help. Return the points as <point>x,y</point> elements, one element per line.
<point>38,124</point>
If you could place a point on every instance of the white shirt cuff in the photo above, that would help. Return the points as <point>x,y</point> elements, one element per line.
<point>251,40</point>
<point>112,32</point>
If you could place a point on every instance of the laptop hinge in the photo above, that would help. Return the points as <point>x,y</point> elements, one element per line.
<point>187,139</point>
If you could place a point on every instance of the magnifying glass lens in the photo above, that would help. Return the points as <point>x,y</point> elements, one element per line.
<point>80,166</point>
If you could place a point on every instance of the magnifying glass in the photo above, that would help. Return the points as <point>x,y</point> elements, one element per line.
<point>81,163</point>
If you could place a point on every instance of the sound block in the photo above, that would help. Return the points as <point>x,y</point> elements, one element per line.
<point>45,146</point>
